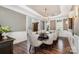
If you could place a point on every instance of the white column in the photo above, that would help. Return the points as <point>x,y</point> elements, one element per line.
<point>27,26</point>
<point>39,25</point>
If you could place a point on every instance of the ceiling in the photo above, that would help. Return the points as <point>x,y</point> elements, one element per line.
<point>52,10</point>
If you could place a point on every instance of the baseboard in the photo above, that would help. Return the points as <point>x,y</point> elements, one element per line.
<point>18,41</point>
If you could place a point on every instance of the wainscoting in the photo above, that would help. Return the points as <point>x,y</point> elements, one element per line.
<point>19,36</point>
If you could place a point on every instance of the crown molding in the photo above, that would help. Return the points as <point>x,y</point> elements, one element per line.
<point>24,10</point>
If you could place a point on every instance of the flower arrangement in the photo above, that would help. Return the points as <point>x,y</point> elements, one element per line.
<point>4,29</point>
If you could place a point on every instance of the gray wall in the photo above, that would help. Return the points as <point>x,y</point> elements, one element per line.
<point>15,20</point>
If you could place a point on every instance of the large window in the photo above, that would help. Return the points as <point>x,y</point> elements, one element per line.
<point>59,25</point>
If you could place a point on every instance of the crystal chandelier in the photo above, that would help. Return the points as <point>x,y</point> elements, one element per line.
<point>46,14</point>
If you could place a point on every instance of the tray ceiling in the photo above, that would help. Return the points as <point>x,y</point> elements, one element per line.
<point>52,10</point>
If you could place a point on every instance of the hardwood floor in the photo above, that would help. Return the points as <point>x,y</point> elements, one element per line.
<point>60,46</point>
<point>20,48</point>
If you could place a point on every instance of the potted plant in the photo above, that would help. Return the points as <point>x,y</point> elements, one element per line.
<point>4,29</point>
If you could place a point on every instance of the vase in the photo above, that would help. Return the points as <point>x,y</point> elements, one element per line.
<point>1,36</point>
<point>4,35</point>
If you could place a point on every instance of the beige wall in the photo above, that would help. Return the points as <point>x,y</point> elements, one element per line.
<point>76,26</point>
<point>15,20</point>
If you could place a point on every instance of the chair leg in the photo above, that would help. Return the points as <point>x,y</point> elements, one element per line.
<point>30,49</point>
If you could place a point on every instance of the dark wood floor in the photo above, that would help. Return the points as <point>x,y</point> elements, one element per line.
<point>20,48</point>
<point>60,46</point>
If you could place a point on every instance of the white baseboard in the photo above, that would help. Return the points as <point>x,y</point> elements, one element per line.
<point>18,41</point>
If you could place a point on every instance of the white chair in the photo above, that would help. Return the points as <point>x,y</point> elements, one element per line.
<point>52,37</point>
<point>34,42</point>
<point>32,39</point>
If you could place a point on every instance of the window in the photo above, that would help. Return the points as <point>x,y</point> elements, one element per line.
<point>59,25</point>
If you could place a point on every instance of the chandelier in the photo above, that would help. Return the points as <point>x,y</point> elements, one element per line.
<point>46,14</point>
